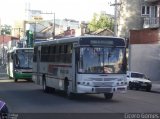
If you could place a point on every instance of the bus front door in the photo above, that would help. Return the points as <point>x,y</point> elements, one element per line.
<point>38,67</point>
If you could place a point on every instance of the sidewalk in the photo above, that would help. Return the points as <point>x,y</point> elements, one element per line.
<point>3,75</point>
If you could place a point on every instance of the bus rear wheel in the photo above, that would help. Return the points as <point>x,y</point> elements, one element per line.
<point>15,79</point>
<point>69,94</point>
<point>108,96</point>
<point>45,88</point>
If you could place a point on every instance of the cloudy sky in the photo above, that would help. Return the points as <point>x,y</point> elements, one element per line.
<point>11,10</point>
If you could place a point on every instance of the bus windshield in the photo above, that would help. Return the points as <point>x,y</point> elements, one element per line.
<point>23,59</point>
<point>101,60</point>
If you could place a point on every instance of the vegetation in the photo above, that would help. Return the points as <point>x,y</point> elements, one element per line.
<point>100,21</point>
<point>6,29</point>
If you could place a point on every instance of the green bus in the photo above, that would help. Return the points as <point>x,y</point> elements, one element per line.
<point>19,63</point>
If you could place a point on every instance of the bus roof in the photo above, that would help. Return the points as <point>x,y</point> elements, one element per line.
<point>12,50</point>
<point>73,39</point>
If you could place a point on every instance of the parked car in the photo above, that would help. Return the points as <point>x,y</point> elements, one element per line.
<point>137,80</point>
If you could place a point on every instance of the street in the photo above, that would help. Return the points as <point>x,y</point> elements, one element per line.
<point>27,97</point>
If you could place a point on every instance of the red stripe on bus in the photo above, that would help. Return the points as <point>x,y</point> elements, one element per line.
<point>59,65</point>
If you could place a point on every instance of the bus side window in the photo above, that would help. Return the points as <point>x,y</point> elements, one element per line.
<point>17,61</point>
<point>69,53</point>
<point>35,54</point>
<point>70,48</point>
<point>77,54</point>
<point>12,56</point>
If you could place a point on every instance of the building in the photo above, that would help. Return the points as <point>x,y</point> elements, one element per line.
<point>139,21</point>
<point>139,18</point>
<point>6,43</point>
<point>128,16</point>
<point>103,32</point>
<point>150,32</point>
<point>18,30</point>
<point>151,14</point>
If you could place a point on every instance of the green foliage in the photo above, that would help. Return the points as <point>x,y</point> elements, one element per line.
<point>6,29</point>
<point>93,26</point>
<point>100,21</point>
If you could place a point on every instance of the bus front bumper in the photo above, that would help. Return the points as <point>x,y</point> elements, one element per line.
<point>18,75</point>
<point>90,89</point>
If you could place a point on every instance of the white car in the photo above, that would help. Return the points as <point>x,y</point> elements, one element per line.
<point>138,81</point>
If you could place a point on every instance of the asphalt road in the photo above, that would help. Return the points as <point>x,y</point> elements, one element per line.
<point>27,97</point>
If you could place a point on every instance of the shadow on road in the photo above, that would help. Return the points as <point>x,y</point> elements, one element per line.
<point>157,92</point>
<point>84,97</point>
<point>152,91</point>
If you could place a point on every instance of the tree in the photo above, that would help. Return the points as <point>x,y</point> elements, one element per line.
<point>6,29</point>
<point>100,21</point>
<point>93,26</point>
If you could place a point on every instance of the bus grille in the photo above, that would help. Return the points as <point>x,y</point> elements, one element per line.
<point>96,79</point>
<point>103,90</point>
<point>102,84</point>
<point>109,79</point>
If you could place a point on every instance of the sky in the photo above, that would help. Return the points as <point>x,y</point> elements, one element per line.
<point>81,10</point>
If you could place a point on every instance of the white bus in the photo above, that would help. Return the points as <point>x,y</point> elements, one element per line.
<point>86,64</point>
<point>19,63</point>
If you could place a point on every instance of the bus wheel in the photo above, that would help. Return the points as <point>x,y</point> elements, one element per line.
<point>130,86</point>
<point>45,88</point>
<point>108,96</point>
<point>69,94</point>
<point>15,79</point>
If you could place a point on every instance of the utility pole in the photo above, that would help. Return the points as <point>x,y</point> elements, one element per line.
<point>116,4</point>
<point>19,32</point>
<point>54,27</point>
<point>3,49</point>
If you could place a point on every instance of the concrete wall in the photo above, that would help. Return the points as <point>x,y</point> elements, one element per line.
<point>145,58</point>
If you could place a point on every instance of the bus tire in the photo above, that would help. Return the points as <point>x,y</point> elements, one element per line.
<point>45,88</point>
<point>69,94</point>
<point>130,86</point>
<point>108,96</point>
<point>15,79</point>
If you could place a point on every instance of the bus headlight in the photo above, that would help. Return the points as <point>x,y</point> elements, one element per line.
<point>86,83</point>
<point>18,71</point>
<point>119,80</point>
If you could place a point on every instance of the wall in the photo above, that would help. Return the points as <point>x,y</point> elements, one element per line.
<point>145,58</point>
<point>144,36</point>
<point>4,39</point>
